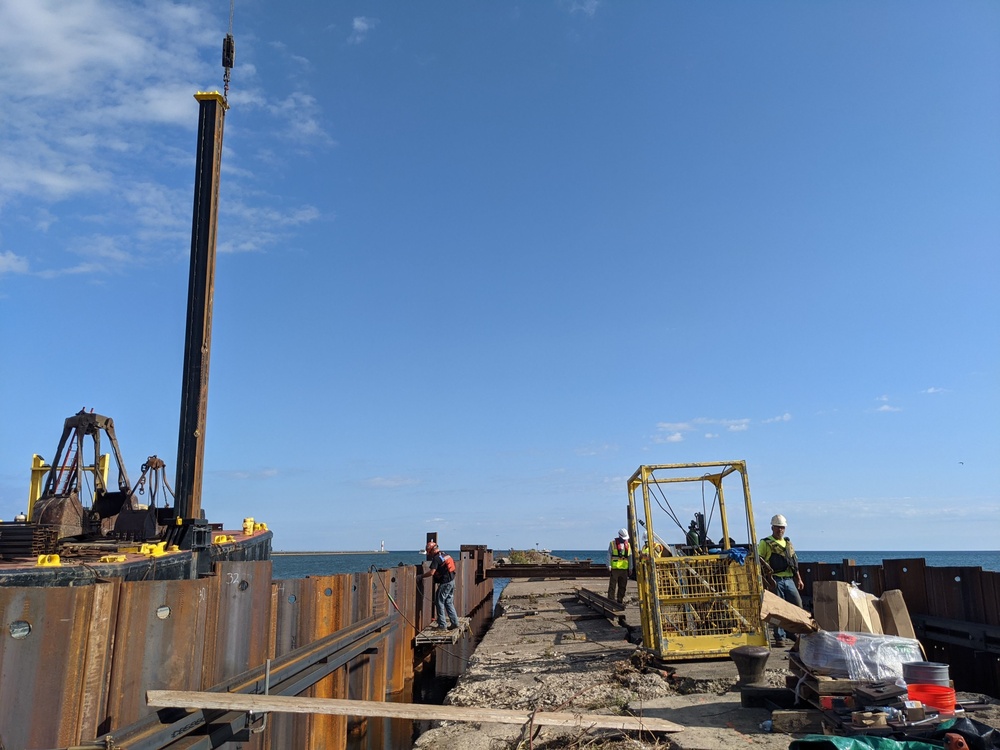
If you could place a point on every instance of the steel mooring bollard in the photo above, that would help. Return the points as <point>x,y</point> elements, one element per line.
<point>750,662</point>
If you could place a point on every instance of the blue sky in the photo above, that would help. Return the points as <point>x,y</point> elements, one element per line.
<point>479,261</point>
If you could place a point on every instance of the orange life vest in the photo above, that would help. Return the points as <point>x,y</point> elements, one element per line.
<point>445,570</point>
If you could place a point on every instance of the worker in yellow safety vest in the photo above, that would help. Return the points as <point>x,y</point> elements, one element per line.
<point>646,553</point>
<point>778,556</point>
<point>619,564</point>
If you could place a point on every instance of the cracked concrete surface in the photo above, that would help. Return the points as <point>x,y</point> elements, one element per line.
<point>548,652</point>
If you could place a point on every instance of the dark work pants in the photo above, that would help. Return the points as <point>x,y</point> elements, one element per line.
<point>619,580</point>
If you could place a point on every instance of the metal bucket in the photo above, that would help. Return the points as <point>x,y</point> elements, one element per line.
<point>926,673</point>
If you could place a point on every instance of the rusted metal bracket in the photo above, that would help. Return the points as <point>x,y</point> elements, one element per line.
<point>602,604</point>
<point>267,691</point>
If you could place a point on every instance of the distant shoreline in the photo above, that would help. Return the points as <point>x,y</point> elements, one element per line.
<point>348,552</point>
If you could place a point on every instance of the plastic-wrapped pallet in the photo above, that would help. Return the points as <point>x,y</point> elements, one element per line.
<point>858,656</point>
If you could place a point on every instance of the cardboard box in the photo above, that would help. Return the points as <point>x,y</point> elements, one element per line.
<point>866,610</point>
<point>841,607</point>
<point>913,711</point>
<point>829,607</point>
<point>776,611</point>
<point>895,616</point>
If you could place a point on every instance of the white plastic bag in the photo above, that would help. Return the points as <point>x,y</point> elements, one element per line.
<point>858,656</point>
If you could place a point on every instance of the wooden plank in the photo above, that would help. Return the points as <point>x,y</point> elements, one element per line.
<point>822,684</point>
<point>379,709</point>
<point>805,721</point>
<point>443,635</point>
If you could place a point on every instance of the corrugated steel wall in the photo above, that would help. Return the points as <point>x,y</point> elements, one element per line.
<point>50,653</point>
<point>308,609</point>
<point>76,662</point>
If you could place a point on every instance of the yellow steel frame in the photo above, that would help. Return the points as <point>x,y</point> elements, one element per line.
<point>39,469</point>
<point>703,605</point>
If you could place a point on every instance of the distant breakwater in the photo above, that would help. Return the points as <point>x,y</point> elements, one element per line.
<point>339,552</point>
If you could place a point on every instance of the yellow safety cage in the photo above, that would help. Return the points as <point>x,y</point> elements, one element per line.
<point>698,598</point>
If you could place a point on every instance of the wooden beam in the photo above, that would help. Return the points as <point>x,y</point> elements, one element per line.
<point>797,722</point>
<point>338,707</point>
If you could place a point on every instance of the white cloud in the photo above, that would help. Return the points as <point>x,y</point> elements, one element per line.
<point>733,425</point>
<point>932,389</point>
<point>11,263</point>
<point>596,450</point>
<point>390,483</point>
<point>103,249</point>
<point>663,438</point>
<point>252,228</point>
<point>104,88</point>
<point>711,435</point>
<point>300,114</point>
<point>587,7</point>
<point>102,255</point>
<point>360,28</point>
<point>673,432</point>
<point>883,397</point>
<point>254,475</point>
<point>786,417</point>
<point>80,69</point>
<point>45,219</point>
<point>35,169</point>
<point>887,408</point>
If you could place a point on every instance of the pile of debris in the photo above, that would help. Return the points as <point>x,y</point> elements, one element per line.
<point>858,669</point>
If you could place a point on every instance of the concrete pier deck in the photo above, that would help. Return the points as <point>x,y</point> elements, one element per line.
<point>546,651</point>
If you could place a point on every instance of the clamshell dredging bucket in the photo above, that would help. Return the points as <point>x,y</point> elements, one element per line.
<point>926,673</point>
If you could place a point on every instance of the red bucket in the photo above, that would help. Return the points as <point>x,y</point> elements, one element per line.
<point>936,696</point>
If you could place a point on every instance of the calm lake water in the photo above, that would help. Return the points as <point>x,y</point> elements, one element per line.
<point>300,566</point>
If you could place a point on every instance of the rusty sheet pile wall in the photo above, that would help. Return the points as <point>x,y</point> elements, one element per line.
<point>76,662</point>
<point>955,611</point>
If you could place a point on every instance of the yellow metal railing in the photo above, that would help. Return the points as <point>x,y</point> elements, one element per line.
<point>39,469</point>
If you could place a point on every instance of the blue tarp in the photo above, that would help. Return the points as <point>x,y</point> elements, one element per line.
<point>737,554</point>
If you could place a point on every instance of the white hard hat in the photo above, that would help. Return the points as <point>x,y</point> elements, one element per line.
<point>778,520</point>
<point>623,534</point>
